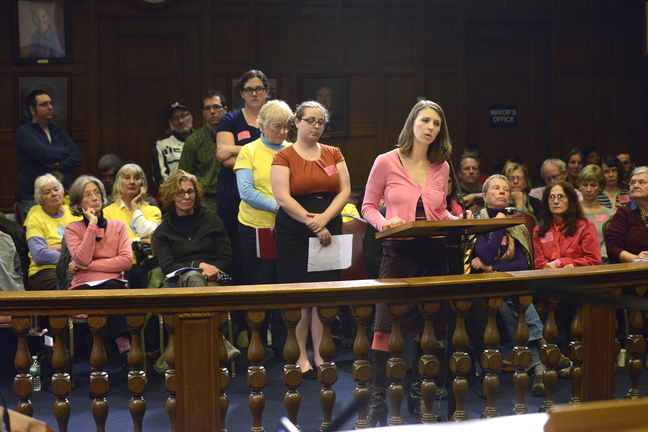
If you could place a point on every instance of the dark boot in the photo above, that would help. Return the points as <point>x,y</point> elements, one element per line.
<point>377,410</point>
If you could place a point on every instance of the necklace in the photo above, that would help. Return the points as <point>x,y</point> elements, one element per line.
<point>643,217</point>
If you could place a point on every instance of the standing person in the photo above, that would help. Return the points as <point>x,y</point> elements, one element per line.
<point>235,129</point>
<point>311,184</point>
<point>258,205</point>
<point>564,237</point>
<point>413,180</point>
<point>592,182</point>
<point>575,164</point>
<point>42,147</point>
<point>168,148</point>
<point>614,194</point>
<point>45,226</point>
<point>198,153</point>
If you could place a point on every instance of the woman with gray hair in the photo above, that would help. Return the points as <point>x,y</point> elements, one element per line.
<point>100,250</point>
<point>45,225</point>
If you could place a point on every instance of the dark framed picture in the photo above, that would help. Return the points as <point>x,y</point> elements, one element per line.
<point>55,85</point>
<point>236,101</point>
<point>332,92</point>
<point>41,32</point>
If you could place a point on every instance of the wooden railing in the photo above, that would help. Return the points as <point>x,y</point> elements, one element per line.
<point>194,317</point>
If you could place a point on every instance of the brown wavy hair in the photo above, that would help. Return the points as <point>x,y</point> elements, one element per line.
<point>571,216</point>
<point>171,187</point>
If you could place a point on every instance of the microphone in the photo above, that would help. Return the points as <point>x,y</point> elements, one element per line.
<point>444,150</point>
<point>515,209</point>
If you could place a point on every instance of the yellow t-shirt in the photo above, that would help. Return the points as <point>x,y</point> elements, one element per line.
<point>40,224</point>
<point>119,211</point>
<point>257,157</point>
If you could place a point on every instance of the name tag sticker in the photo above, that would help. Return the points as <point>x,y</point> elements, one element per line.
<point>623,198</point>
<point>331,170</point>
<point>601,218</point>
<point>243,135</point>
<point>436,185</point>
<point>548,238</point>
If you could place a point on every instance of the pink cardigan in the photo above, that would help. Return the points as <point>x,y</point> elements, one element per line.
<point>106,259</point>
<point>389,179</point>
<point>582,249</point>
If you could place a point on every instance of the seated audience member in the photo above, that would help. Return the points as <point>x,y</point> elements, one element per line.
<point>168,148</point>
<point>108,166</point>
<point>469,181</point>
<point>17,234</point>
<point>475,151</point>
<point>520,183</point>
<point>11,274</point>
<point>564,237</point>
<point>190,237</point>
<point>627,161</point>
<point>614,194</point>
<point>592,182</point>
<point>552,171</point>
<point>627,233</point>
<point>141,218</point>
<point>592,156</point>
<point>507,250</point>
<point>575,164</point>
<point>45,226</point>
<point>100,251</point>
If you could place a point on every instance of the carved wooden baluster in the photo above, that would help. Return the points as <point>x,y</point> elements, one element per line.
<point>61,379</point>
<point>136,376</point>
<point>23,383</point>
<point>491,358</point>
<point>575,353</point>
<point>396,369</point>
<point>224,372</point>
<point>98,378</point>
<point>256,372</point>
<point>327,372</point>
<point>169,375</point>
<point>428,365</point>
<point>460,361</point>
<point>292,377</point>
<point>521,355</point>
<point>361,369</point>
<point>635,345</point>
<point>550,353</point>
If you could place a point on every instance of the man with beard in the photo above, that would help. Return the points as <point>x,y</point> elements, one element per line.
<point>199,149</point>
<point>168,148</point>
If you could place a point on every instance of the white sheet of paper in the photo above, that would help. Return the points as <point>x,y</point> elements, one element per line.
<point>335,256</point>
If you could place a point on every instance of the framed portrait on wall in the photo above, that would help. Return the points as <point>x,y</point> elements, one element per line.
<point>55,85</point>
<point>41,31</point>
<point>332,92</point>
<point>236,101</point>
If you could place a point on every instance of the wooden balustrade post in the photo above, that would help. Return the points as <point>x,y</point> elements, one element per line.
<point>23,383</point>
<point>550,353</point>
<point>460,361</point>
<point>292,377</point>
<point>575,354</point>
<point>635,344</point>
<point>361,369</point>
<point>136,376</point>
<point>98,378</point>
<point>396,369</point>
<point>61,379</point>
<point>428,365</point>
<point>491,358</point>
<point>327,372</point>
<point>521,355</point>
<point>169,375</point>
<point>224,373</point>
<point>256,373</point>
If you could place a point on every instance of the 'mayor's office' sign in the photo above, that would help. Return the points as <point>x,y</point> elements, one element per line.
<point>503,115</point>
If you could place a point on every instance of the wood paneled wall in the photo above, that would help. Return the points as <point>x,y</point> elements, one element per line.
<point>576,70</point>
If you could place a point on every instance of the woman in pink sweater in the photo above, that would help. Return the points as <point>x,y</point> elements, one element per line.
<point>413,182</point>
<point>100,250</point>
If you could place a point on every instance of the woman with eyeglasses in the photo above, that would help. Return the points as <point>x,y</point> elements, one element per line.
<point>193,248</point>
<point>311,184</point>
<point>413,181</point>
<point>564,237</point>
<point>518,177</point>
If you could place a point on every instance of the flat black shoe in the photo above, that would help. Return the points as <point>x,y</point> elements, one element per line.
<point>309,374</point>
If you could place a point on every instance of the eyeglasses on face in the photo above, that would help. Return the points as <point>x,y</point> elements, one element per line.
<point>277,127</point>
<point>311,121</point>
<point>515,178</point>
<point>214,107</point>
<point>180,117</point>
<point>559,197</point>
<point>91,194</point>
<point>551,179</point>
<point>182,193</point>
<point>257,90</point>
